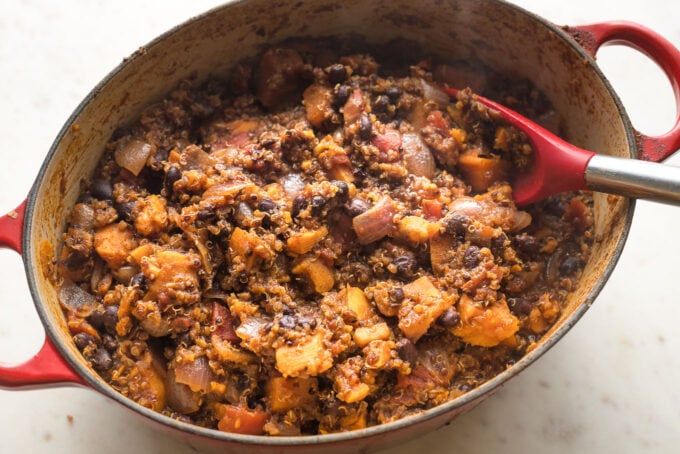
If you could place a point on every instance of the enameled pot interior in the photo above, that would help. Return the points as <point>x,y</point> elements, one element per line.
<point>504,37</point>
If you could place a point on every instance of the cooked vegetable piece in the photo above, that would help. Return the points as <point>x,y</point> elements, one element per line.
<point>288,393</point>
<point>484,326</point>
<point>308,357</point>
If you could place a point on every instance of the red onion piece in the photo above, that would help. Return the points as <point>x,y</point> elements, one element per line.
<point>180,397</point>
<point>435,94</point>
<point>417,156</point>
<point>194,157</point>
<point>133,155</point>
<point>196,374</point>
<point>76,300</point>
<point>376,222</point>
<point>293,184</point>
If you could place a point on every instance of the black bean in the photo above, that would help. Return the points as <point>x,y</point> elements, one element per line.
<point>397,296</point>
<point>569,266</point>
<point>288,322</point>
<point>204,214</point>
<point>120,133</point>
<point>138,280</point>
<point>471,256</point>
<point>75,260</point>
<point>299,204</point>
<point>449,318</point>
<point>356,206</point>
<point>171,176</point>
<point>183,339</point>
<point>519,306</point>
<point>96,319</point>
<point>266,204</point>
<point>110,319</point>
<point>102,360</point>
<point>85,198</point>
<point>381,104</point>
<point>109,342</point>
<point>365,127</point>
<point>457,224</point>
<point>337,73</point>
<point>498,243</point>
<point>406,265</point>
<point>527,243</point>
<point>83,340</point>
<point>125,210</point>
<point>343,189</point>
<point>407,351</point>
<point>101,189</point>
<point>341,95</point>
<point>393,93</point>
<point>317,203</point>
<point>266,222</point>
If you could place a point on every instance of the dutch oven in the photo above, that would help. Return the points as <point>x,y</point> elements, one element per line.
<point>558,60</point>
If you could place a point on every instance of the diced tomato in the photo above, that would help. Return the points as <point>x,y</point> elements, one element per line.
<point>578,215</point>
<point>432,209</point>
<point>241,420</point>
<point>239,140</point>
<point>436,119</point>
<point>354,107</point>
<point>388,144</point>
<point>223,322</point>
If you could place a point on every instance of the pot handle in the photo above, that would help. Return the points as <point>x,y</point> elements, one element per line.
<point>591,37</point>
<point>47,367</point>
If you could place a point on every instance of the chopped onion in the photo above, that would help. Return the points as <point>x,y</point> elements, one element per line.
<point>293,184</point>
<point>76,300</point>
<point>125,273</point>
<point>180,397</point>
<point>520,220</point>
<point>376,222</point>
<point>466,205</point>
<point>417,156</point>
<point>195,374</point>
<point>435,94</point>
<point>193,157</point>
<point>83,216</point>
<point>133,155</point>
<point>244,215</point>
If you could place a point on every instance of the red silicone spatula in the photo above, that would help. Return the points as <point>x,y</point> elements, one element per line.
<point>559,166</point>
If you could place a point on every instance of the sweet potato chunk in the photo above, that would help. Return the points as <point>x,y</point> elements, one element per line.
<point>152,215</point>
<point>415,229</point>
<point>113,243</point>
<point>423,304</point>
<point>173,277</point>
<point>287,393</point>
<point>482,171</point>
<point>484,326</point>
<point>318,274</point>
<point>317,102</point>
<point>309,357</point>
<point>248,248</point>
<point>358,303</point>
<point>303,242</point>
<point>149,388</point>
<point>364,335</point>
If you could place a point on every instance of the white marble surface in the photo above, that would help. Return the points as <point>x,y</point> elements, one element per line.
<point>611,385</point>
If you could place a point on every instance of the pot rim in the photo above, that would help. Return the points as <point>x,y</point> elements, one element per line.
<point>465,400</point>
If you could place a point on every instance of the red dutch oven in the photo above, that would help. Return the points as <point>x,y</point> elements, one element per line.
<point>558,60</point>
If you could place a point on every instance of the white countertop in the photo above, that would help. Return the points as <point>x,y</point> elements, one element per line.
<point>611,385</point>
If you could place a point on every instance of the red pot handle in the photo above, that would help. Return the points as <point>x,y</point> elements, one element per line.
<point>663,52</point>
<point>47,367</point>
